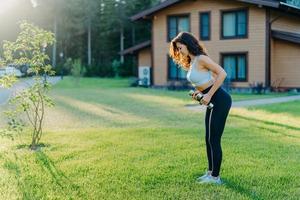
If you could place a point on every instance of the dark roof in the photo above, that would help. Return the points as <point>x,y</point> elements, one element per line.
<point>136,48</point>
<point>154,9</point>
<point>287,36</point>
<point>267,3</point>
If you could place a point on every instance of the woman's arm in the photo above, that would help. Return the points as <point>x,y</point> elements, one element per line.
<point>218,70</point>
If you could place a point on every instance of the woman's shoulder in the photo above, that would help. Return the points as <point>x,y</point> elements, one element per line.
<point>202,58</point>
<point>199,58</point>
<point>202,55</point>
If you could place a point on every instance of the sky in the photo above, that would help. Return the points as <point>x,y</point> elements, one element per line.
<point>7,5</point>
<point>11,12</point>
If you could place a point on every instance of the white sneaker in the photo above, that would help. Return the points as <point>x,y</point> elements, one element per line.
<point>200,178</point>
<point>209,179</point>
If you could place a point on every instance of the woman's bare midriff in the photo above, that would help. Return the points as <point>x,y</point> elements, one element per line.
<point>205,85</point>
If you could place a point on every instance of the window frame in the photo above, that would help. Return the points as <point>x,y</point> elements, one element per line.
<point>177,71</point>
<point>235,11</point>
<point>236,54</point>
<point>209,25</point>
<point>177,16</point>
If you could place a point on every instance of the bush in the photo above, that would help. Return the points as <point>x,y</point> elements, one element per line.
<point>78,70</point>
<point>133,81</point>
<point>64,69</point>
<point>29,50</point>
<point>116,65</point>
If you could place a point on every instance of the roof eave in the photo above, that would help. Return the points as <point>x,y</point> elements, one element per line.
<point>267,3</point>
<point>286,36</point>
<point>146,14</point>
<point>136,48</point>
<point>289,8</point>
<point>136,17</point>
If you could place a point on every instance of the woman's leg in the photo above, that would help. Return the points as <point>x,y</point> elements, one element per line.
<point>217,122</point>
<point>215,141</point>
<point>208,147</point>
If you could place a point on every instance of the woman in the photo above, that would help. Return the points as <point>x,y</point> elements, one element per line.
<point>207,77</point>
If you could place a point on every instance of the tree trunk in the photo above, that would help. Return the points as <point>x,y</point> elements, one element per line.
<point>89,42</point>
<point>122,44</point>
<point>54,44</point>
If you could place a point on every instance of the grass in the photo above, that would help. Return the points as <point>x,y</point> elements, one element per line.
<point>104,140</point>
<point>249,96</point>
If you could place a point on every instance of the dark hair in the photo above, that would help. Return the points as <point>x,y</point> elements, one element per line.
<point>193,45</point>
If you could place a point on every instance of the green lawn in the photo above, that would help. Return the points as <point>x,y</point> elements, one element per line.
<point>105,140</point>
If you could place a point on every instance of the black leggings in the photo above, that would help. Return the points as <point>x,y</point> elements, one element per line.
<point>215,120</point>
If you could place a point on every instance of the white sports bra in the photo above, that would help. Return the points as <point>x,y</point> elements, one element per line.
<point>197,77</point>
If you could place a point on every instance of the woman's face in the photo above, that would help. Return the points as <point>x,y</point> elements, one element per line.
<point>182,49</point>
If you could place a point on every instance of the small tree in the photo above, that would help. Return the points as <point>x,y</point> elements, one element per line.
<point>67,66</point>
<point>78,70</point>
<point>116,65</point>
<point>29,49</point>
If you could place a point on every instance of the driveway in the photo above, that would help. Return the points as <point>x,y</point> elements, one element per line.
<point>5,94</point>
<point>246,103</point>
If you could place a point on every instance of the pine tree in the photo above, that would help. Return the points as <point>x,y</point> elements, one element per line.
<point>294,2</point>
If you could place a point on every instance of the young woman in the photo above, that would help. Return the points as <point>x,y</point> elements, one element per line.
<point>207,77</point>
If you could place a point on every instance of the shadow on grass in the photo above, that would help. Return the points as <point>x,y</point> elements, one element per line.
<point>266,122</point>
<point>239,189</point>
<point>28,184</point>
<point>106,122</point>
<point>276,131</point>
<point>26,146</point>
<point>58,176</point>
<point>136,109</point>
<point>23,185</point>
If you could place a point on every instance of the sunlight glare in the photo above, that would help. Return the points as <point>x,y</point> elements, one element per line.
<point>6,5</point>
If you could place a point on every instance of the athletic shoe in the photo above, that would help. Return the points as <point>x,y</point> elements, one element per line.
<point>209,179</point>
<point>203,176</point>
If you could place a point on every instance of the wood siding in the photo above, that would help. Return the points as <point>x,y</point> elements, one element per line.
<point>144,57</point>
<point>285,22</point>
<point>285,56</point>
<point>254,44</point>
<point>285,62</point>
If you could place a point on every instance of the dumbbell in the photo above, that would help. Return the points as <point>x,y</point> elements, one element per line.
<point>199,96</point>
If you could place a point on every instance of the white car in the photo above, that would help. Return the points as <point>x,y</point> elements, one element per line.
<point>10,71</point>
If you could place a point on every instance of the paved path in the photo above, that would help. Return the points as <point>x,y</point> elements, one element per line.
<point>5,94</point>
<point>246,103</point>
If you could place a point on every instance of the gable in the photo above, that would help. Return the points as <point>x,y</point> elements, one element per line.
<point>274,4</point>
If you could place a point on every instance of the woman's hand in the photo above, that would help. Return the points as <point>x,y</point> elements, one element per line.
<point>195,94</point>
<point>206,99</point>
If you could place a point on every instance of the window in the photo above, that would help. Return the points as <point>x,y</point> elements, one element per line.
<point>235,66</point>
<point>234,24</point>
<point>204,25</point>
<point>174,71</point>
<point>176,24</point>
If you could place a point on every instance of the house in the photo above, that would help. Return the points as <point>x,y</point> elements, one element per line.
<point>254,40</point>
